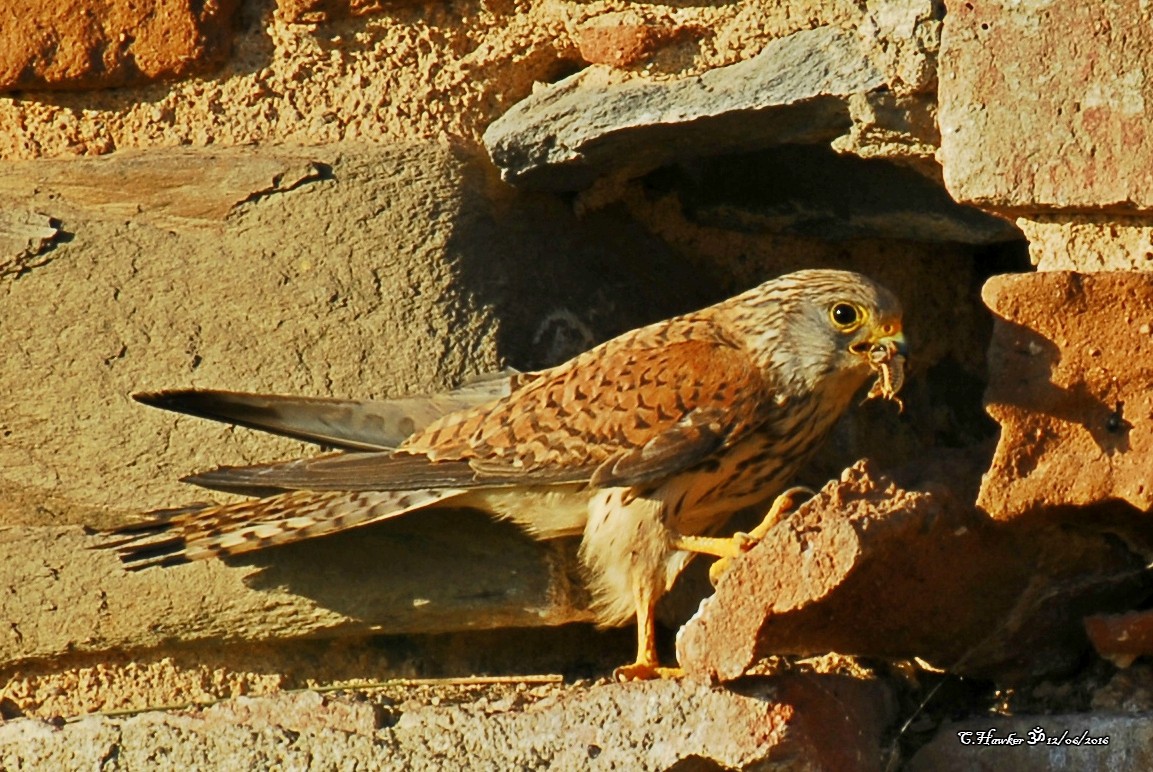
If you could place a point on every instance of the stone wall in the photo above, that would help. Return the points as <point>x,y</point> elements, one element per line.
<point>368,199</point>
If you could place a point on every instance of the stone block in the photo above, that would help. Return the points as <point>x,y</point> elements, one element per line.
<point>1089,243</point>
<point>1046,106</point>
<point>443,571</point>
<point>567,135</point>
<point>869,569</point>
<point>779,723</point>
<point>1070,365</point>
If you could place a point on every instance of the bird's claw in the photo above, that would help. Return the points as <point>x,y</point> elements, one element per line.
<point>783,505</point>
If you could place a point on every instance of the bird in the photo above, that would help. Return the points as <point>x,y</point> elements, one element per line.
<point>642,446</point>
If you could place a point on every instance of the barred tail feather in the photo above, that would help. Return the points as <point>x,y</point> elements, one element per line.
<point>207,531</point>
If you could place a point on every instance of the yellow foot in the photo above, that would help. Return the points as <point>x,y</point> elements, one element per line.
<point>743,542</point>
<point>643,671</point>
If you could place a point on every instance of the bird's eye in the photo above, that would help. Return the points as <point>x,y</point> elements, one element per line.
<point>845,316</point>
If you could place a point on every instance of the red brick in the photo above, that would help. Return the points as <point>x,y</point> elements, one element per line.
<point>97,44</point>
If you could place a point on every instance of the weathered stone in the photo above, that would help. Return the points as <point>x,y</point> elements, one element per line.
<point>95,44</point>
<point>1069,371</point>
<point>318,11</point>
<point>813,191</point>
<point>1089,242</point>
<point>869,569</point>
<point>1121,638</point>
<point>177,188</point>
<point>567,135</point>
<point>901,129</point>
<point>24,239</point>
<point>1048,109</point>
<point>442,571</point>
<point>787,722</point>
<point>1084,741</point>
<point>301,711</point>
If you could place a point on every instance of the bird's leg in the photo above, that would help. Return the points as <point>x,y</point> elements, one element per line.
<point>647,665</point>
<point>739,543</point>
<point>782,505</point>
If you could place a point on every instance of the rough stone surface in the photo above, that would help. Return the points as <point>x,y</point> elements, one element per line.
<point>204,673</point>
<point>869,569</point>
<point>25,237</point>
<point>615,42</point>
<point>320,11</point>
<point>1081,741</point>
<point>566,136</point>
<point>788,722</point>
<point>1047,109</point>
<point>447,570</point>
<point>1069,372</point>
<point>417,70</point>
<point>1121,638</point>
<point>1089,243</point>
<point>93,44</point>
<point>174,189</point>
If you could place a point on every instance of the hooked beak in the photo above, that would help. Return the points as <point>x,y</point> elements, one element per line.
<point>891,341</point>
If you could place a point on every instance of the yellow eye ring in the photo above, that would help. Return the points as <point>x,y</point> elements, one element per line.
<point>847,317</point>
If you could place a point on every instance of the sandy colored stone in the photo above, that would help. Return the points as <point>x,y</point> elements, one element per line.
<point>297,712</point>
<point>1089,243</point>
<point>1043,110</point>
<point>320,11</point>
<point>1069,371</point>
<point>448,570</point>
<point>25,238</point>
<point>199,284</point>
<point>92,44</point>
<point>789,722</point>
<point>171,188</point>
<point>413,70</point>
<point>869,569</point>
<point>204,673</point>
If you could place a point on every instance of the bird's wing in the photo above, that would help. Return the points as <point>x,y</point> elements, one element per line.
<point>203,531</point>
<point>363,425</point>
<point>372,471</point>
<point>626,416</point>
<point>634,409</point>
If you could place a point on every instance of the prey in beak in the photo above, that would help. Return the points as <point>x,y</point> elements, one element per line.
<point>886,356</point>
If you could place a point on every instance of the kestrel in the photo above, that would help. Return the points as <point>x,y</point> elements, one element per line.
<point>642,446</point>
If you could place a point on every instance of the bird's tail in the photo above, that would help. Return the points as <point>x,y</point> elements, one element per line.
<point>201,531</point>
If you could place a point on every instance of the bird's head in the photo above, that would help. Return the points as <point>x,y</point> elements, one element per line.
<point>823,328</point>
